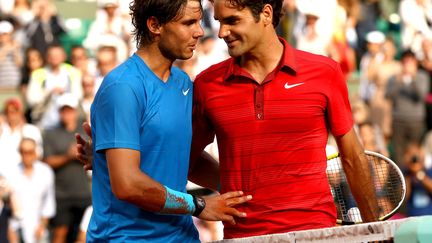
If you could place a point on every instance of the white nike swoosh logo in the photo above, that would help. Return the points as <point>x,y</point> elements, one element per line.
<point>185,92</point>
<point>287,86</point>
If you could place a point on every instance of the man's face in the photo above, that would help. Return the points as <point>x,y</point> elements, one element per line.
<point>409,65</point>
<point>374,48</point>
<point>68,115</point>
<point>106,61</point>
<point>87,84</point>
<point>55,56</point>
<point>178,38</point>
<point>13,114</point>
<point>239,29</point>
<point>34,60</point>
<point>27,150</point>
<point>5,37</point>
<point>78,56</point>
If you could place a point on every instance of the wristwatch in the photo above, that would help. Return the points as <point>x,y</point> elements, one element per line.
<point>199,205</point>
<point>420,175</point>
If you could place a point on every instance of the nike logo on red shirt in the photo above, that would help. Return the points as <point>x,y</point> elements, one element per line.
<point>288,86</point>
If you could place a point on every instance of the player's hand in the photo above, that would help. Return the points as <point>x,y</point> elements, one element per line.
<point>221,207</point>
<point>84,148</point>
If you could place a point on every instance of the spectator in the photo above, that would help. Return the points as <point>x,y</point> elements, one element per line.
<point>326,10</point>
<point>426,64</point>
<point>418,178</point>
<point>84,225</point>
<point>88,86</point>
<point>33,60</point>
<point>372,139</point>
<point>7,209</point>
<point>373,56</point>
<point>311,38</point>
<point>288,21</point>
<point>360,111</point>
<point>352,9</point>
<point>416,18</point>
<point>6,6</point>
<point>407,92</point>
<point>379,74</point>
<point>22,12</point>
<point>106,60</point>
<point>80,60</point>
<point>13,130</point>
<point>370,134</point>
<point>33,185</point>
<point>339,48</point>
<point>48,83</point>
<point>370,12</point>
<point>10,57</point>
<point>109,29</point>
<point>72,187</point>
<point>46,28</point>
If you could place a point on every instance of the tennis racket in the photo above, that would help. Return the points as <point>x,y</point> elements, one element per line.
<point>388,182</point>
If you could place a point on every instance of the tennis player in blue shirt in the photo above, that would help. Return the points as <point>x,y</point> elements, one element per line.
<point>141,130</point>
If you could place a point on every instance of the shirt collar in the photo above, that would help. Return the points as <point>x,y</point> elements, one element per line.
<point>286,64</point>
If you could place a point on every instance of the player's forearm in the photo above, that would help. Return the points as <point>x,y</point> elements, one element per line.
<point>148,194</point>
<point>139,189</point>
<point>356,168</point>
<point>130,184</point>
<point>57,161</point>
<point>361,185</point>
<point>205,172</point>
<point>12,236</point>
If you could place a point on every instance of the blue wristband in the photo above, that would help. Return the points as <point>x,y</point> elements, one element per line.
<point>176,201</point>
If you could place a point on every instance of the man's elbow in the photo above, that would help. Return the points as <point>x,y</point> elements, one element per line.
<point>124,191</point>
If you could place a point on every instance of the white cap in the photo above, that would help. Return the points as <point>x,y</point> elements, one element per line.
<point>107,3</point>
<point>311,11</point>
<point>376,37</point>
<point>5,27</point>
<point>67,99</point>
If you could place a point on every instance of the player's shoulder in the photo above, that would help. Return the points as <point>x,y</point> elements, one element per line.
<point>127,73</point>
<point>304,58</point>
<point>45,168</point>
<point>130,67</point>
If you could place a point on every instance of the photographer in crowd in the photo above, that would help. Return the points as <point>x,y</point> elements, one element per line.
<point>418,179</point>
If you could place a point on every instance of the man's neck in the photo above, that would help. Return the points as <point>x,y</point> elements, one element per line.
<point>28,170</point>
<point>55,69</point>
<point>263,59</point>
<point>15,125</point>
<point>159,64</point>
<point>70,126</point>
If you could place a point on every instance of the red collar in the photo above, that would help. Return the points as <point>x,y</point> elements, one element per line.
<point>286,64</point>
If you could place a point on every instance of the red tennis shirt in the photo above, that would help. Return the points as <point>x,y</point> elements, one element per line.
<point>272,138</point>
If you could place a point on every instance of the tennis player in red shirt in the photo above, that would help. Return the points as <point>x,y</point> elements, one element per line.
<point>271,107</point>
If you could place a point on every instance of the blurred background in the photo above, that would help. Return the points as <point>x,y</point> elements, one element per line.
<point>54,55</point>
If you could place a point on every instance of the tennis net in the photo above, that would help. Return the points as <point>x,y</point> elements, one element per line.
<point>383,231</point>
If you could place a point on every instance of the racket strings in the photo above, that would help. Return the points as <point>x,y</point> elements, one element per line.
<point>388,181</point>
<point>387,184</point>
<point>340,189</point>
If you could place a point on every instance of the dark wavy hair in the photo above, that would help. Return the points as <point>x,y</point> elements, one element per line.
<point>163,10</point>
<point>256,7</point>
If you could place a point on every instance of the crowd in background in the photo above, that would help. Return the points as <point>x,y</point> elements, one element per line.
<point>384,48</point>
